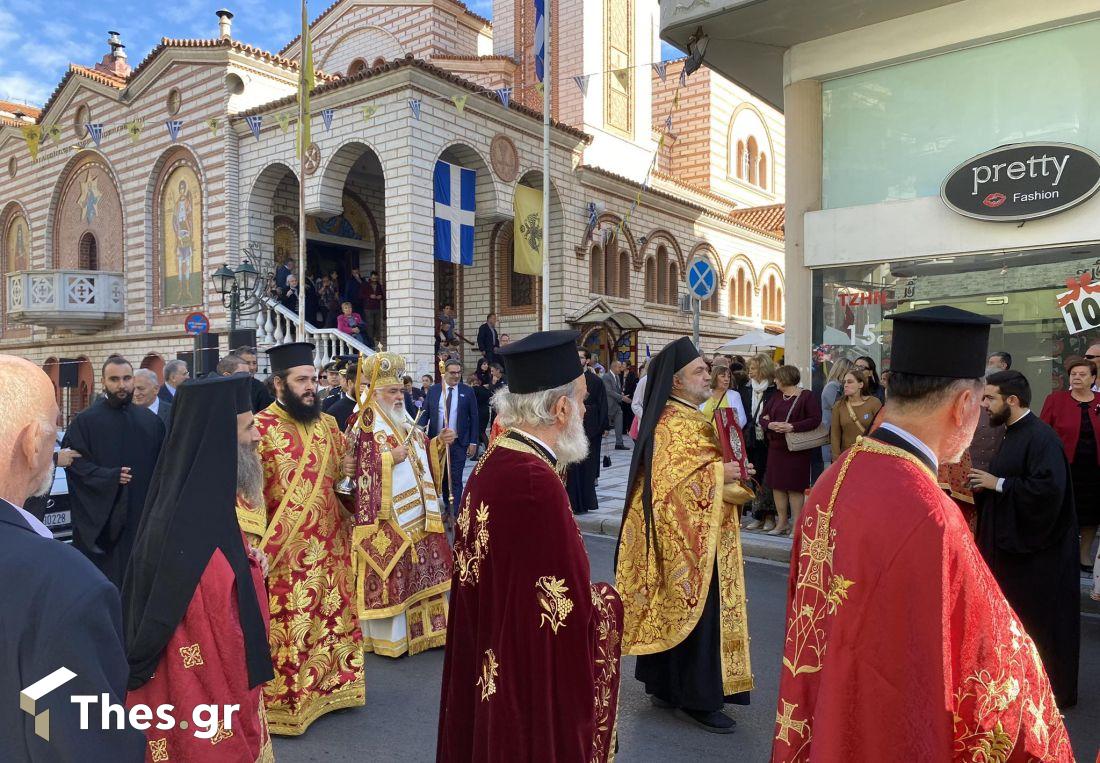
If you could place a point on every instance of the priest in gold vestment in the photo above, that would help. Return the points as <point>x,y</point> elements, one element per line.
<point>402,559</point>
<point>679,567</point>
<point>316,644</point>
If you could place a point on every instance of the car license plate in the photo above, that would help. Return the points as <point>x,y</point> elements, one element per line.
<point>56,518</point>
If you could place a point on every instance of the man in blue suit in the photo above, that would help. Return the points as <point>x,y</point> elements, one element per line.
<point>62,613</point>
<point>461,416</point>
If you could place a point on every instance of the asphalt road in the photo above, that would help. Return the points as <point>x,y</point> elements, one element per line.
<point>399,722</point>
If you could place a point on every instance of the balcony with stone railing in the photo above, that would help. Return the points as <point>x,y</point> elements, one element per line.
<point>80,301</point>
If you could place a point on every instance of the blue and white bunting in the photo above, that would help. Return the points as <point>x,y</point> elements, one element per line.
<point>540,38</point>
<point>326,117</point>
<point>414,106</point>
<point>661,67</point>
<point>505,95</point>
<point>683,76</point>
<point>95,131</point>
<point>254,124</point>
<point>174,126</point>
<point>668,124</point>
<point>582,83</point>
<point>455,191</point>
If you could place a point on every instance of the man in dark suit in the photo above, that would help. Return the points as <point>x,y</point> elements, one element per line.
<point>146,394</point>
<point>613,385</point>
<point>461,416</point>
<point>581,482</point>
<point>488,339</point>
<point>175,374</point>
<point>63,614</point>
<point>261,398</point>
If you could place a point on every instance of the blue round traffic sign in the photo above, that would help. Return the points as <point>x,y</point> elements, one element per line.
<point>701,278</point>
<point>196,323</point>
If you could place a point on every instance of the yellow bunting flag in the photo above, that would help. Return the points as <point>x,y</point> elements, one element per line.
<point>527,207</point>
<point>32,134</point>
<point>306,82</point>
<point>283,120</point>
<point>460,103</point>
<point>134,128</point>
<point>540,88</point>
<point>369,111</point>
<point>212,124</point>
<point>54,132</point>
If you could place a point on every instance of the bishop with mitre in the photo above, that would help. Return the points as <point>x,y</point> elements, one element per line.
<point>401,554</point>
<point>531,671</point>
<point>679,567</point>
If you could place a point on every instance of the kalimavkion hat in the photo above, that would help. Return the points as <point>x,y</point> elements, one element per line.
<point>940,341</point>
<point>541,361</point>
<point>292,355</point>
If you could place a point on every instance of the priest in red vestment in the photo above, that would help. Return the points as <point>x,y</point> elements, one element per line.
<point>194,599</point>
<point>899,643</point>
<point>531,671</point>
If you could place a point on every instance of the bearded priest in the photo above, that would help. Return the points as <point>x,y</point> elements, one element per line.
<point>194,600</point>
<point>679,566</point>
<point>402,558</point>
<point>316,644</point>
<point>531,671</point>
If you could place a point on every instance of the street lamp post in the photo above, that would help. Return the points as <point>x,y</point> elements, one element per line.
<point>238,290</point>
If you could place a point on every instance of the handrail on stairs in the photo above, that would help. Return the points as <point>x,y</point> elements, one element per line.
<point>278,325</point>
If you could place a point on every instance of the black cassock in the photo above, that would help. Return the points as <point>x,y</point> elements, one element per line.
<point>1028,536</point>
<point>106,514</point>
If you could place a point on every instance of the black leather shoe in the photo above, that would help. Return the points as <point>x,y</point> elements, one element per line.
<point>664,704</point>
<point>715,722</point>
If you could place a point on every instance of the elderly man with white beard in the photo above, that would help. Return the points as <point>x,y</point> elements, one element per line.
<point>532,665</point>
<point>400,552</point>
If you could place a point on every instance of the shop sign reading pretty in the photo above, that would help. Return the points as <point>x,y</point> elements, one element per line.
<point>1022,181</point>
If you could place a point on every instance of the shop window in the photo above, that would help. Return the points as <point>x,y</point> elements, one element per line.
<point>595,270</point>
<point>624,275</point>
<point>88,254</point>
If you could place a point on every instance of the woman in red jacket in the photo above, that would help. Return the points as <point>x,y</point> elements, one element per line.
<point>1075,416</point>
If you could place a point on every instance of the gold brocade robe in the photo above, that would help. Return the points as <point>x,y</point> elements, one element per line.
<point>316,643</point>
<point>664,589</point>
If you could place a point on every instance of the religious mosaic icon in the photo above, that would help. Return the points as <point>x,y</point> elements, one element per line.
<point>19,243</point>
<point>181,237</point>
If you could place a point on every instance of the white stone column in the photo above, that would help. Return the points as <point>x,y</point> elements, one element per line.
<point>802,111</point>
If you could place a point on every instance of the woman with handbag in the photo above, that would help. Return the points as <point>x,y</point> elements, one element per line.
<point>721,396</point>
<point>853,414</point>
<point>793,421</point>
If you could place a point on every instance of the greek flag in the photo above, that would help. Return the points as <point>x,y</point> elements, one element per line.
<point>455,190</point>
<point>540,37</point>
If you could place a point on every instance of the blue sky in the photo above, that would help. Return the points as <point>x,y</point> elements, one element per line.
<point>38,39</point>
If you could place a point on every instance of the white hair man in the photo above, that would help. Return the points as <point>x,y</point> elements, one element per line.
<point>146,395</point>
<point>62,620</point>
<point>530,637</point>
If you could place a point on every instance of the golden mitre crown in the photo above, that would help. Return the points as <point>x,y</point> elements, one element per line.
<point>384,368</point>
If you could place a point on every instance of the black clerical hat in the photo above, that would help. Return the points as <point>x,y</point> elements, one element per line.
<point>940,341</point>
<point>284,356</point>
<point>541,361</point>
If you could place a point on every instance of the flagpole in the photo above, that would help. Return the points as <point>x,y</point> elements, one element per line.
<point>303,97</point>
<point>546,90</point>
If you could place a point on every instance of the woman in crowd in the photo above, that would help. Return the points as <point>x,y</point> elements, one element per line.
<point>761,371</point>
<point>1075,416</point>
<point>853,414</point>
<point>352,324</point>
<point>484,375</point>
<point>482,394</point>
<point>722,396</point>
<point>636,401</point>
<point>866,364</point>
<point>329,296</point>
<point>630,384</point>
<point>793,409</point>
<point>830,394</point>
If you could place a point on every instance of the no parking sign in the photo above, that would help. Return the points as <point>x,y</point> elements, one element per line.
<point>701,278</point>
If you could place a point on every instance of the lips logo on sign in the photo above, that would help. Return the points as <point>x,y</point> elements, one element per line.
<point>994,200</point>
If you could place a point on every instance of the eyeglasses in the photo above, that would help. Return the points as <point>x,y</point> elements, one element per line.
<point>1092,357</point>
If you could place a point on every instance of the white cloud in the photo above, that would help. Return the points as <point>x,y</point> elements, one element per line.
<point>18,86</point>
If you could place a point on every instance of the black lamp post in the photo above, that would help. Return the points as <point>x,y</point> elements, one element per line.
<point>238,289</point>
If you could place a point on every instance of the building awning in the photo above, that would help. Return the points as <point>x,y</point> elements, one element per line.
<point>600,313</point>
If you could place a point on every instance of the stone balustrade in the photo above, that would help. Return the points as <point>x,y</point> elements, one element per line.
<point>78,301</point>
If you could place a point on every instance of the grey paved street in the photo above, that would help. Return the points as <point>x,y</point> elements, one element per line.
<point>399,721</point>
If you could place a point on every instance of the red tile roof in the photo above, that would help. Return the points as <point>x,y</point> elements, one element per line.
<point>332,7</point>
<point>12,108</point>
<point>770,218</point>
<point>416,63</point>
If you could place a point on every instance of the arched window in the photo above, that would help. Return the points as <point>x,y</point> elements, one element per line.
<point>778,304</point>
<point>624,274</point>
<point>651,279</point>
<point>773,300</point>
<point>88,254</point>
<point>662,276</point>
<point>595,270</point>
<point>766,304</point>
<point>742,163</point>
<point>673,295</point>
<point>357,66</point>
<point>762,172</point>
<point>710,304</point>
<point>746,298</point>
<point>610,270</point>
<point>752,151</point>
<point>521,287</point>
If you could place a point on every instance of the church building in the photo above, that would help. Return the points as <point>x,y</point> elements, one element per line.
<point>124,192</point>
